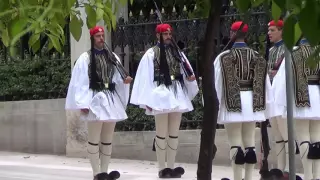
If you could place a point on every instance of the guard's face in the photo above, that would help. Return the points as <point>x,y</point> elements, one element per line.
<point>275,34</point>
<point>166,37</point>
<point>99,40</point>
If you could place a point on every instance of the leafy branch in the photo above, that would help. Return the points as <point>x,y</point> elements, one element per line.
<point>28,29</point>
<point>49,17</point>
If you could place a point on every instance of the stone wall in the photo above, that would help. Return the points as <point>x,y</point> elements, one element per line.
<point>33,126</point>
<point>44,127</point>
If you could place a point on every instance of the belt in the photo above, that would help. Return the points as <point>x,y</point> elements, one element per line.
<point>246,85</point>
<point>107,86</point>
<point>177,77</point>
<point>313,82</point>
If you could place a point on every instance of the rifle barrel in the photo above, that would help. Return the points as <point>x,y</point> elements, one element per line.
<point>123,72</point>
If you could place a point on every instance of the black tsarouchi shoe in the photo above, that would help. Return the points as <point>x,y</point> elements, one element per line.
<point>113,175</point>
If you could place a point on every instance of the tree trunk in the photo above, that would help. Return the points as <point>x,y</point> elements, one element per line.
<point>211,107</point>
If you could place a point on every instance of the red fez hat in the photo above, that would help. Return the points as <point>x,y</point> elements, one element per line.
<point>236,26</point>
<point>95,30</point>
<point>163,28</point>
<point>279,23</point>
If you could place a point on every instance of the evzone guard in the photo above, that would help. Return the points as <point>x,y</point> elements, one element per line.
<point>306,109</point>
<point>99,88</point>
<point>164,86</point>
<point>279,123</point>
<point>245,95</point>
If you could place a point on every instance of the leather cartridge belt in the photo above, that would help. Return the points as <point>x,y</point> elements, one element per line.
<point>177,77</point>
<point>314,80</point>
<point>246,85</point>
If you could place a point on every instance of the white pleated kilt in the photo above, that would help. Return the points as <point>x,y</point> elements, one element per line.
<point>246,114</point>
<point>165,100</point>
<point>307,113</point>
<point>105,106</point>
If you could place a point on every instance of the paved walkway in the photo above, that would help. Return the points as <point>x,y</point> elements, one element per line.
<point>18,166</point>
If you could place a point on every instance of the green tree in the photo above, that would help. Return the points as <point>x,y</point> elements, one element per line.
<point>302,18</point>
<point>49,17</point>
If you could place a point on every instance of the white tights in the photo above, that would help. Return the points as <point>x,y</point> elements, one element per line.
<point>241,135</point>
<point>167,124</point>
<point>308,132</point>
<point>280,133</point>
<point>100,132</point>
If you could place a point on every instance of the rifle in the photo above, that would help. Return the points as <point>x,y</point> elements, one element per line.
<point>185,66</point>
<point>265,146</point>
<point>115,61</point>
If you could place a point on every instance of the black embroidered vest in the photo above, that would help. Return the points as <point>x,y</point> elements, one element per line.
<point>243,69</point>
<point>105,71</point>
<point>174,65</point>
<point>304,75</point>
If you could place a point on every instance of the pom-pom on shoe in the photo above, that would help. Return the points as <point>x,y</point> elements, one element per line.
<point>105,176</point>
<point>114,175</point>
<point>177,172</point>
<point>165,173</point>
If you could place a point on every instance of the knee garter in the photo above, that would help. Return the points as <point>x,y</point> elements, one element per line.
<point>314,151</point>
<point>250,155</point>
<point>238,158</point>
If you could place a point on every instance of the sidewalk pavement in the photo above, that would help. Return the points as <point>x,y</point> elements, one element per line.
<point>20,166</point>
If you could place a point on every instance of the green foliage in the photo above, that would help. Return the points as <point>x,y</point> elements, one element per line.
<point>48,17</point>
<point>203,8</point>
<point>276,11</point>
<point>34,78</point>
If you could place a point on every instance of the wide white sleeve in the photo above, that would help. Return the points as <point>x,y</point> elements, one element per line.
<point>143,82</point>
<point>269,113</point>
<point>192,86</point>
<point>218,78</point>
<point>279,85</point>
<point>122,89</point>
<point>79,95</point>
<point>269,92</point>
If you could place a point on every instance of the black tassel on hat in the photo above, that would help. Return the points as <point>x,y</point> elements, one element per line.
<point>94,78</point>
<point>164,67</point>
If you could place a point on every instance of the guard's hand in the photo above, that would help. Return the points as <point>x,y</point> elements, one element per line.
<point>191,78</point>
<point>128,80</point>
<point>85,111</point>
<point>273,72</point>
